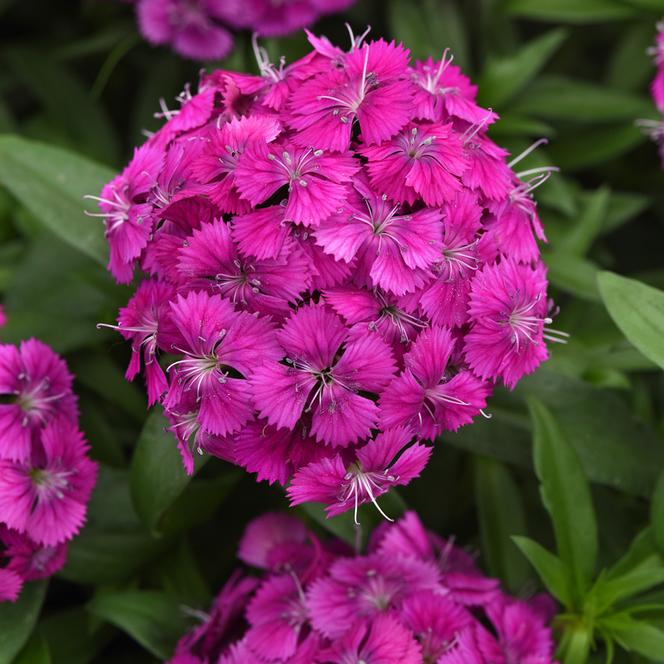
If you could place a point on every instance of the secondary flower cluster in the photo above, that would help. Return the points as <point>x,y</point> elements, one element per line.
<point>412,598</point>
<point>656,127</point>
<point>340,261</point>
<point>201,29</point>
<point>46,476</point>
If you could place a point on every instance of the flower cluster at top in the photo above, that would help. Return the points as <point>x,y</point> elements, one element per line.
<point>413,598</point>
<point>656,127</point>
<point>201,29</point>
<point>339,262</point>
<point>46,476</point>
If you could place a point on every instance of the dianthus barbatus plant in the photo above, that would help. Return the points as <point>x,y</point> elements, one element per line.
<point>202,29</point>
<point>46,477</point>
<point>340,259</point>
<point>655,128</point>
<point>413,598</point>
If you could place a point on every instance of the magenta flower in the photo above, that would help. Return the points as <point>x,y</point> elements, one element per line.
<point>339,258</point>
<point>431,395</point>
<point>508,306</point>
<point>657,87</point>
<point>28,559</point>
<point>191,27</point>
<point>36,387</point>
<point>45,497</point>
<point>315,180</point>
<point>371,475</point>
<point>384,641</point>
<point>379,585</point>
<point>392,605</point>
<point>322,371</point>
<point>393,250</point>
<point>443,92</point>
<point>221,348</point>
<point>10,585</point>
<point>371,89</point>
<point>424,160</point>
<point>221,153</point>
<point>210,260</point>
<point>140,322</point>
<point>126,213</point>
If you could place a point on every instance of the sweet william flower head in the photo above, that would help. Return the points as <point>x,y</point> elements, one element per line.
<point>339,263</point>
<point>35,387</point>
<point>391,605</point>
<point>46,476</point>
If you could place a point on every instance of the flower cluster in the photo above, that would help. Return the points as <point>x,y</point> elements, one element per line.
<point>340,263</point>
<point>201,29</point>
<point>656,127</point>
<point>412,598</point>
<point>46,476</point>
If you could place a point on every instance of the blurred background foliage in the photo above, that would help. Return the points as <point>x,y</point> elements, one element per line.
<point>77,89</point>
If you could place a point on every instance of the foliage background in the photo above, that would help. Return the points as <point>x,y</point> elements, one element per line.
<point>76,76</point>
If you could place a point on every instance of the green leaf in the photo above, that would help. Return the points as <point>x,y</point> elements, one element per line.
<point>18,619</point>
<point>548,567</point>
<point>570,11</point>
<point>566,496</point>
<point>638,310</point>
<point>505,77</point>
<point>501,516</point>
<point>36,651</point>
<point>593,146</point>
<point>427,28</point>
<point>635,636</point>
<point>154,619</point>
<point>615,448</point>
<point>561,98</point>
<point>157,476</point>
<point>109,558</point>
<point>588,226</point>
<point>74,636</point>
<point>51,183</point>
<point>657,512</point>
<point>572,274</point>
<point>66,102</point>
<point>103,376</point>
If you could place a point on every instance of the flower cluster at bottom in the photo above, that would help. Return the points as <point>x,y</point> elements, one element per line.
<point>413,598</point>
<point>46,477</point>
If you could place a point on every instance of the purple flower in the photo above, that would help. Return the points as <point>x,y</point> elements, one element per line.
<point>46,496</point>
<point>392,605</point>
<point>323,372</point>
<point>36,387</point>
<point>192,27</point>
<point>342,487</point>
<point>340,259</point>
<point>508,306</point>
<point>431,395</point>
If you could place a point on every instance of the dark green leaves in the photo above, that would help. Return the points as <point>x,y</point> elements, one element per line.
<point>154,619</point>
<point>501,516</point>
<point>17,619</point>
<point>505,77</point>
<point>566,495</point>
<point>51,183</point>
<point>571,11</point>
<point>658,512</point>
<point>157,476</point>
<point>638,311</point>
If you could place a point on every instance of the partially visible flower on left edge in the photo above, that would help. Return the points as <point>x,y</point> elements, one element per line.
<point>46,475</point>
